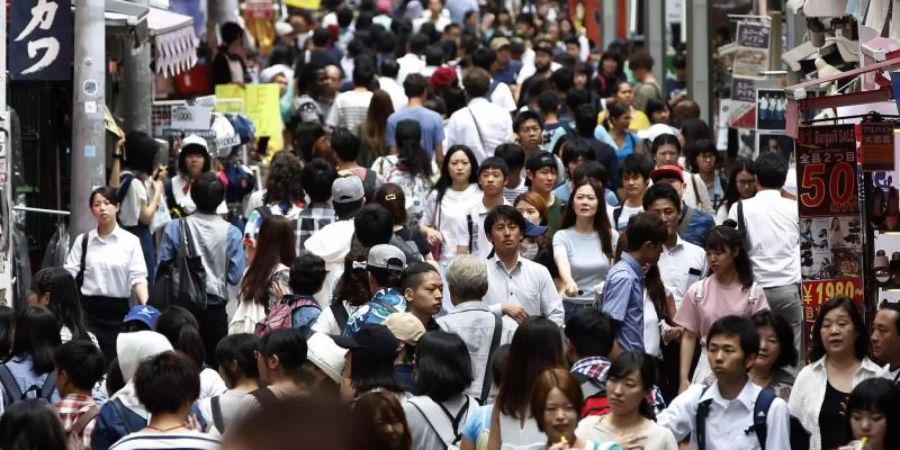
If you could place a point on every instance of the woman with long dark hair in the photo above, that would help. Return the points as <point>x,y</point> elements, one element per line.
<point>54,289</point>
<point>392,197</point>
<point>382,416</point>
<point>840,349</point>
<point>352,291</point>
<point>729,290</point>
<point>618,118</point>
<point>630,382</point>
<point>411,168</point>
<point>873,416</point>
<point>777,354</point>
<point>30,361</point>
<point>536,346</point>
<point>283,196</point>
<point>108,266</point>
<point>741,185</point>
<point>585,230</point>
<point>266,280</point>
<point>372,131</point>
<point>454,195</point>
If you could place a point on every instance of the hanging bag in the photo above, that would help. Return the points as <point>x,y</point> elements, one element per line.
<point>182,281</point>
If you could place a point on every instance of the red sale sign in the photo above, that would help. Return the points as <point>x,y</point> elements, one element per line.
<point>826,170</point>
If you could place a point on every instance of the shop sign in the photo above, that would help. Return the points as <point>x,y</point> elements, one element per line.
<point>41,39</point>
<point>830,226</point>
<point>752,53</point>
<point>877,151</point>
<point>191,118</point>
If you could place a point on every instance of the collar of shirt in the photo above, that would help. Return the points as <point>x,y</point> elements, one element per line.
<point>866,365</point>
<point>679,245</point>
<point>767,195</point>
<point>747,396</point>
<point>633,265</point>
<point>471,305</point>
<point>112,237</point>
<point>384,293</point>
<point>502,266</point>
<point>478,101</point>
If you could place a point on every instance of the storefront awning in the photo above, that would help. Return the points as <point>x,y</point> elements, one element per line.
<point>172,34</point>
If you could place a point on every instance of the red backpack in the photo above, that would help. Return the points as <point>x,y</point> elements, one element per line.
<point>281,316</point>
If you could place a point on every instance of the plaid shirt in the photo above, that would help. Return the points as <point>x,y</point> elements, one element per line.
<point>70,410</point>
<point>313,218</point>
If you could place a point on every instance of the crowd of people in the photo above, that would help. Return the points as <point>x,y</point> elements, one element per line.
<point>484,234</point>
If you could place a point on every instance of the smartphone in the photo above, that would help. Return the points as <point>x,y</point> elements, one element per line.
<point>262,147</point>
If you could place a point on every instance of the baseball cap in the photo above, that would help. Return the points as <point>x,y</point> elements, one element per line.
<point>347,189</point>
<point>194,144</point>
<point>386,256</point>
<point>532,230</point>
<point>406,327</point>
<point>499,42</point>
<point>145,314</point>
<point>443,78</point>
<point>667,171</point>
<point>374,338</point>
<point>326,355</point>
<point>656,131</point>
<point>540,160</point>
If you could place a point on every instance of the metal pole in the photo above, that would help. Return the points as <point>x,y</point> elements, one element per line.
<point>219,12</point>
<point>88,138</point>
<point>698,54</point>
<point>137,84</point>
<point>610,21</point>
<point>655,24</point>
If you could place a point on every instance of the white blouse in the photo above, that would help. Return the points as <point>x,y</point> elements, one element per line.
<point>113,266</point>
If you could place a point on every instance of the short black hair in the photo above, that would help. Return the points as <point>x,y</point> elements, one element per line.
<point>637,164</point>
<point>288,344</point>
<point>484,57</point>
<point>82,361</point>
<point>231,32</point>
<point>771,170</point>
<point>640,60</point>
<point>166,382</point>
<point>577,97</point>
<point>645,227</point>
<point>736,326</point>
<point>390,68</point>
<point>561,79</point>
<point>344,17</point>
<point>494,163</point>
<point>414,273</point>
<point>317,177</point>
<point>207,192</point>
<point>506,213</point>
<point>525,116</point>
<point>415,85</point>
<point>576,149</point>
<point>418,43</point>
<point>476,82</point>
<point>783,332</point>
<point>374,225</point>
<point>591,333</point>
<point>585,120</point>
<point>661,191</point>
<point>679,61</point>
<point>239,348</point>
<point>512,154</point>
<point>307,274</point>
<point>443,366</point>
<point>548,102</point>
<point>140,152</point>
<point>591,169</point>
<point>434,56</point>
<point>892,306</point>
<point>321,37</point>
<point>363,74</point>
<point>345,144</point>
<point>860,345</point>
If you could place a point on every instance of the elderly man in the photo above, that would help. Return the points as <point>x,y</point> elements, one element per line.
<point>473,321</point>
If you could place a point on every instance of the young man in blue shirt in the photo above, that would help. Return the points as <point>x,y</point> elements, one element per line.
<point>623,291</point>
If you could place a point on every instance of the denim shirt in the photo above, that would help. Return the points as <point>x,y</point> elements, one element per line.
<point>384,303</point>
<point>623,300</point>
<point>699,225</point>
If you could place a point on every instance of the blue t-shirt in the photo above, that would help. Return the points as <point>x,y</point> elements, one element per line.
<point>430,121</point>
<point>623,300</point>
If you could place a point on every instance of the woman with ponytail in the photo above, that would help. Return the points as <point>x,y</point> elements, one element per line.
<point>411,168</point>
<point>181,329</point>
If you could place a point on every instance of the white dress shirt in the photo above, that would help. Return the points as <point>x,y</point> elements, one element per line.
<point>680,267</point>
<point>809,392</point>
<point>502,97</point>
<point>494,127</point>
<point>773,228</point>
<point>394,90</point>
<point>528,285</point>
<point>409,63</point>
<point>112,267</point>
<point>728,420</point>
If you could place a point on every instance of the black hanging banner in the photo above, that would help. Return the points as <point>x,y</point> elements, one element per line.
<point>40,40</point>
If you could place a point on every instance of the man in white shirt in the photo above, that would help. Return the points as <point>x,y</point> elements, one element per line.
<point>724,414</point>
<point>499,93</point>
<point>517,287</point>
<point>350,108</point>
<point>492,175</point>
<point>772,224</point>
<point>482,125</point>
<point>387,82</point>
<point>413,61</point>
<point>886,340</point>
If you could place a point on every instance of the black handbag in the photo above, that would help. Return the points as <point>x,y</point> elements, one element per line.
<point>182,281</point>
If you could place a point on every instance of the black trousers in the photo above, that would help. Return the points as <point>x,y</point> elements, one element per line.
<point>104,318</point>
<point>213,327</point>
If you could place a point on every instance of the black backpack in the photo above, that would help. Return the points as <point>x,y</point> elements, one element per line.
<point>799,437</point>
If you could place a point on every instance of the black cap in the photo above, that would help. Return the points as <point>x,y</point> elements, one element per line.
<point>373,338</point>
<point>540,160</point>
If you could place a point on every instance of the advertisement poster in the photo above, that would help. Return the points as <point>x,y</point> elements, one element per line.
<point>830,227</point>
<point>260,104</point>
<point>40,40</point>
<point>752,54</point>
<point>743,103</point>
<point>877,146</point>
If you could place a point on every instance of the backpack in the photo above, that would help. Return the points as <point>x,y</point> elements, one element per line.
<point>341,317</point>
<point>409,248</point>
<point>596,402</point>
<point>13,393</point>
<point>752,295</point>
<point>282,315</point>
<point>73,436</point>
<point>445,425</point>
<point>124,186</point>
<point>799,437</point>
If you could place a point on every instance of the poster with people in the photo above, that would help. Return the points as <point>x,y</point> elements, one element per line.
<point>770,107</point>
<point>830,226</point>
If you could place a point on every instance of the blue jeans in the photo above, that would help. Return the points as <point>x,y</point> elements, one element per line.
<point>572,306</point>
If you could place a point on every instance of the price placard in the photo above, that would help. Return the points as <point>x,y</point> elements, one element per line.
<point>817,292</point>
<point>826,171</point>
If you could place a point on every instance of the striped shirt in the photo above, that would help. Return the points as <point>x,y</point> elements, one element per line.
<point>188,440</point>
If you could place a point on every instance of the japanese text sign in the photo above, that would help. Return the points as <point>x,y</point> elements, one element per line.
<point>877,146</point>
<point>261,105</point>
<point>40,40</point>
<point>826,164</point>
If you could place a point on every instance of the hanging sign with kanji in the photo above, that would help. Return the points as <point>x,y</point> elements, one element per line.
<point>40,40</point>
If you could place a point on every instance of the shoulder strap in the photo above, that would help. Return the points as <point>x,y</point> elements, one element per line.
<point>124,186</point>
<point>477,128</point>
<point>702,413</point>
<point>752,295</point>
<point>696,192</point>
<point>432,411</point>
<point>83,421</point>
<point>187,241</point>
<point>264,211</point>
<point>123,415</point>
<point>685,221</point>
<point>740,216</point>
<point>488,371</point>
<point>471,235</point>
<point>698,293</point>
<point>11,390</point>
<point>264,396</point>
<point>340,314</point>
<point>617,212</point>
<point>761,413</point>
<point>216,407</point>
<point>48,387</point>
<point>79,279</point>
